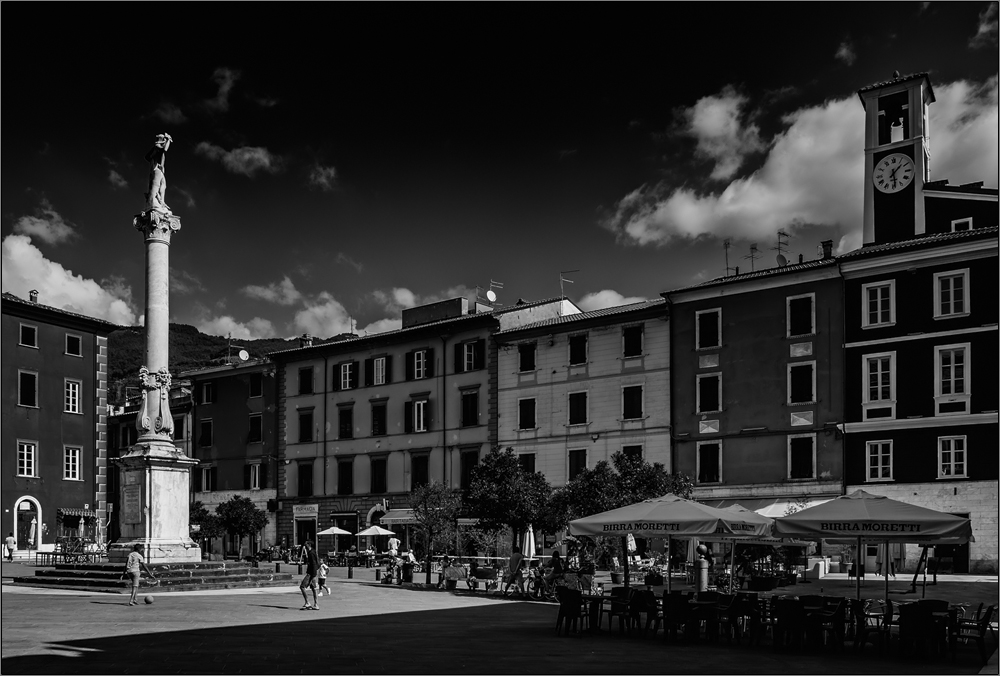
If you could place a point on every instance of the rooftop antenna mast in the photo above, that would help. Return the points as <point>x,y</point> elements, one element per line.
<point>728,242</point>
<point>782,245</point>
<point>491,295</point>
<point>753,255</point>
<point>562,293</point>
<point>242,354</point>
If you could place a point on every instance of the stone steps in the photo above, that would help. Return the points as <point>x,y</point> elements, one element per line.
<point>170,577</point>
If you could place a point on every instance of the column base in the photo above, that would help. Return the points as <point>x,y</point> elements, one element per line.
<point>156,552</point>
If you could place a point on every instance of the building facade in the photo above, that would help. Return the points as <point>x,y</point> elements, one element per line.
<point>757,369</point>
<point>54,461</point>
<point>363,421</point>
<point>921,343</point>
<point>234,439</point>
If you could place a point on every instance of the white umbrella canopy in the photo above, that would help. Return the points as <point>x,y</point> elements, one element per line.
<point>333,530</point>
<point>375,530</point>
<point>528,543</point>
<point>670,516</point>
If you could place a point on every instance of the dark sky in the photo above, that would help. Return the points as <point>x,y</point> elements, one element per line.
<point>334,160</point>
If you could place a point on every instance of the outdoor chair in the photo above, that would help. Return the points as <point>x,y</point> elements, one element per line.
<point>915,629</point>
<point>764,621</point>
<point>867,627</point>
<point>678,613</point>
<point>940,614</point>
<point>975,632</point>
<point>789,618</point>
<point>572,610</point>
<point>727,617</point>
<point>827,622</point>
<point>644,602</point>
<point>621,597</point>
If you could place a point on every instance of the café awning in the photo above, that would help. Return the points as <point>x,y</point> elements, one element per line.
<point>76,511</point>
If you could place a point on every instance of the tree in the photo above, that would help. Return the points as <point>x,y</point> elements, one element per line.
<point>503,494</point>
<point>435,509</point>
<point>204,525</point>
<point>240,517</point>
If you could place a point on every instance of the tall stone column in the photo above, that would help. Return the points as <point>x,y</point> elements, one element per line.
<point>155,474</point>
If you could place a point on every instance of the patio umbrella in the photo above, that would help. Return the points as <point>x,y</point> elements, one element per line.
<point>876,518</point>
<point>528,543</point>
<point>375,530</point>
<point>31,532</point>
<point>668,516</point>
<point>333,530</point>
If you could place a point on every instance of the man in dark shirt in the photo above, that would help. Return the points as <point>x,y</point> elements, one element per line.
<point>310,580</point>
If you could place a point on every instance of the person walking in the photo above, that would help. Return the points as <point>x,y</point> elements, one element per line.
<point>514,565</point>
<point>132,569</point>
<point>11,544</point>
<point>310,580</point>
<point>323,570</point>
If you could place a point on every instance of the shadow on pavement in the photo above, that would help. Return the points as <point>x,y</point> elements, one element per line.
<point>508,638</point>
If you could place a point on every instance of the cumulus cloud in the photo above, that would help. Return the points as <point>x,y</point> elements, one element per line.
<point>813,174</point>
<point>381,326</point>
<point>324,178</point>
<point>397,299</point>
<point>46,224</point>
<point>266,102</point>
<point>24,268</point>
<point>606,298</point>
<point>323,316</point>
<point>344,259</point>
<point>246,160</point>
<point>845,53</point>
<point>116,179</point>
<point>184,283</point>
<point>225,78</point>
<point>986,33</point>
<point>169,113</point>
<point>188,197</point>
<point>225,325</point>
<point>282,293</point>
<point>715,121</point>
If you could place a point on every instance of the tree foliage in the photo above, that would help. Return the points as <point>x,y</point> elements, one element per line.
<point>209,525</point>
<point>435,509</point>
<point>502,494</point>
<point>240,517</point>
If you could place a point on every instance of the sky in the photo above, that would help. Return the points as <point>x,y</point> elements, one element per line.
<point>333,164</point>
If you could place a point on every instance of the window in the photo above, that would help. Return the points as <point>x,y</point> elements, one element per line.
<point>74,345</point>
<point>379,474</point>
<point>708,328</point>
<point>801,456</point>
<point>345,422</point>
<point>26,458</point>
<point>470,408</point>
<point>577,462</point>
<point>305,425</point>
<point>879,305</point>
<point>470,356</point>
<point>306,478</point>
<point>469,461</point>
<point>419,474</point>
<point>419,364</point>
<point>632,402</point>
<point>252,477</point>
<point>206,479</point>
<point>709,462</point>
<point>632,341</point>
<point>951,293</point>
<point>71,463</point>
<point>178,428</point>
<point>961,225</point>
<point>951,457</point>
<point>306,380</point>
<point>378,419</point>
<point>256,433</point>
<point>378,371</point>
<point>880,460</point>
<point>256,385</point>
<point>880,386</point>
<point>420,411</point>
<point>205,436</point>
<point>634,452</point>
<point>526,357</point>
<point>578,349</point>
<point>802,383</point>
<point>525,414</point>
<point>578,408</point>
<point>27,389</point>
<point>952,375</point>
<point>347,376</point>
<point>345,477</point>
<point>207,393</point>
<point>28,336</point>
<point>709,393</point>
<point>71,399</point>
<point>527,462</point>
<point>801,314</point>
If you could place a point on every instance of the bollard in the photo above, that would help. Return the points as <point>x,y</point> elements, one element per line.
<point>378,574</point>
<point>277,567</point>
<point>702,575</point>
<point>350,572</point>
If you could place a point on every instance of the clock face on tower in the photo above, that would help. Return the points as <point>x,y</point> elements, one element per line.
<point>893,173</point>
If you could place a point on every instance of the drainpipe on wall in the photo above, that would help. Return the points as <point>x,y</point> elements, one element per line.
<point>325,404</point>
<point>444,411</point>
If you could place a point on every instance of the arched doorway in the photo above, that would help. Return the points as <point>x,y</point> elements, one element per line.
<point>379,542</point>
<point>27,523</point>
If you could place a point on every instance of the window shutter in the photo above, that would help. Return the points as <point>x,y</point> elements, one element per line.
<point>369,372</point>
<point>197,479</point>
<point>388,369</point>
<point>429,371</point>
<point>428,416</point>
<point>212,478</point>
<point>335,378</point>
<point>246,477</point>
<point>354,374</point>
<point>459,357</point>
<point>479,353</point>
<point>408,416</point>
<point>263,475</point>
<point>409,365</point>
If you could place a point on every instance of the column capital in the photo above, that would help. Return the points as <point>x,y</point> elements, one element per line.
<point>156,225</point>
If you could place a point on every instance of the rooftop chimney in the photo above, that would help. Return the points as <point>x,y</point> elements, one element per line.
<point>306,340</point>
<point>827,245</point>
<point>33,295</point>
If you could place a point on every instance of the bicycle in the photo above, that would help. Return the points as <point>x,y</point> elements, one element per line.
<point>537,587</point>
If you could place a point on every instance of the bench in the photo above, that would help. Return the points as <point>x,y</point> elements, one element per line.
<point>489,577</point>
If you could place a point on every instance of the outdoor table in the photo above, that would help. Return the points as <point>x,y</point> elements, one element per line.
<point>595,605</point>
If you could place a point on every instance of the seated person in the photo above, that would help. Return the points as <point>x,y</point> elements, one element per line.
<point>408,556</point>
<point>472,580</point>
<point>555,568</point>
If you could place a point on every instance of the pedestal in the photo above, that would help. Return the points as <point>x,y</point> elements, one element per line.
<point>155,494</point>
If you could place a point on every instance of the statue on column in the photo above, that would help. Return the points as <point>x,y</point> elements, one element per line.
<point>157,157</point>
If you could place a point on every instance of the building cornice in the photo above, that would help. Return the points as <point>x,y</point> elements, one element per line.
<point>920,336</point>
<point>904,260</point>
<point>931,422</point>
<point>752,285</point>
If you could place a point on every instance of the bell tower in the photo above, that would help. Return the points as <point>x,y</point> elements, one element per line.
<point>897,157</point>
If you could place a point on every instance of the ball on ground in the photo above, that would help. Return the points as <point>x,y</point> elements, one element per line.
<point>148,599</point>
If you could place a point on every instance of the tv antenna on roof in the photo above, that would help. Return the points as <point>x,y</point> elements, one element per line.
<point>782,245</point>
<point>562,294</point>
<point>753,255</point>
<point>242,354</point>
<point>491,295</point>
<point>728,242</point>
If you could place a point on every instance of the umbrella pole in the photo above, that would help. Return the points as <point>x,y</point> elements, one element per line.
<point>885,569</point>
<point>625,560</point>
<point>858,561</point>
<point>669,562</point>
